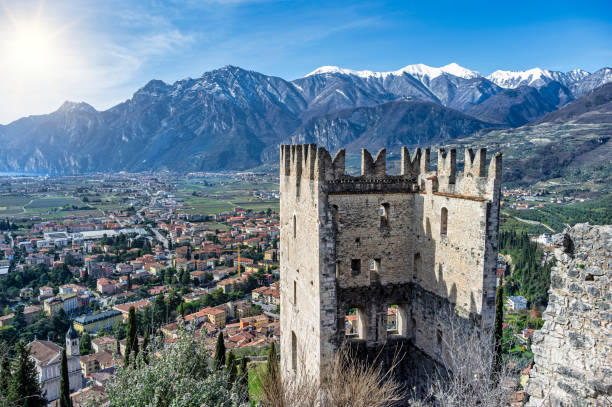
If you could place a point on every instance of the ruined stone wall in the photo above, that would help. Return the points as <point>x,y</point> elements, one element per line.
<point>573,350</point>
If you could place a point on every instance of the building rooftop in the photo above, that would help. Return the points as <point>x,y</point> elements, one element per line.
<point>45,352</point>
<point>88,319</point>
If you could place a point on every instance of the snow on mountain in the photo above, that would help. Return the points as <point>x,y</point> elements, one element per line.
<point>536,77</point>
<point>576,75</point>
<point>419,71</point>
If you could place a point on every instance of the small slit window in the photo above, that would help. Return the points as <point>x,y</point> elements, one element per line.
<point>294,292</point>
<point>293,351</point>
<point>444,221</point>
<point>294,227</point>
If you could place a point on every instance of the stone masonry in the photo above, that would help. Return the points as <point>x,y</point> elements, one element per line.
<point>423,241</point>
<point>573,350</point>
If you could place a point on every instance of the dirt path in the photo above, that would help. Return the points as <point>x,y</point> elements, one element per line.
<point>533,222</point>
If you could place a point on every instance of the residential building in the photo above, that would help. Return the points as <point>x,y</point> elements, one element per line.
<point>106,286</point>
<point>516,302</point>
<point>94,322</point>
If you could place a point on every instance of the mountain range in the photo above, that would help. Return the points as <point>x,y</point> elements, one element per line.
<point>232,118</point>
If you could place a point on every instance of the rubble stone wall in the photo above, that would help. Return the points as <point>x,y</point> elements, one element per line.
<point>573,350</point>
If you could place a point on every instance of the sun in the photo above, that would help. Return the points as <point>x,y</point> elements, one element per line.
<point>30,48</point>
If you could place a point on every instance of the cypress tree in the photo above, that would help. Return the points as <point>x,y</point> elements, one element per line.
<point>24,389</point>
<point>131,345</point>
<point>498,332</point>
<point>272,363</point>
<point>244,372</point>
<point>64,400</point>
<point>232,369</point>
<point>220,352</point>
<point>145,348</point>
<point>5,371</point>
<point>182,311</point>
<point>129,282</point>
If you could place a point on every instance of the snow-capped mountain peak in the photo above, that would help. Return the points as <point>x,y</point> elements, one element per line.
<point>514,79</point>
<point>419,71</point>
<point>329,69</point>
<point>535,77</point>
<point>458,70</point>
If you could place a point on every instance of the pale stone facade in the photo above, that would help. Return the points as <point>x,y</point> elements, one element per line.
<point>424,241</point>
<point>47,356</point>
<point>573,350</point>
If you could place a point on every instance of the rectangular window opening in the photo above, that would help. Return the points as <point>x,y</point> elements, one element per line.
<point>355,266</point>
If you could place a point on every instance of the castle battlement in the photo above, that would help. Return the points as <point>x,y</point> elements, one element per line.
<point>308,161</point>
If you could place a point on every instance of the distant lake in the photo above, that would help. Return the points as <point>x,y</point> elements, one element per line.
<point>19,174</point>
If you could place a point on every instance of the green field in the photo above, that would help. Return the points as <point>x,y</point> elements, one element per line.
<point>12,205</point>
<point>201,205</point>
<point>225,196</point>
<point>46,203</point>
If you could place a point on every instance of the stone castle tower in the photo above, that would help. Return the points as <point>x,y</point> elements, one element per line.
<point>424,242</point>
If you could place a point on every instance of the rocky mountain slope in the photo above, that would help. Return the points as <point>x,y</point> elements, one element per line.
<point>393,124</point>
<point>231,118</point>
<point>574,140</point>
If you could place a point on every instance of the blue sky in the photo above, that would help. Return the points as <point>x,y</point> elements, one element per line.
<point>102,51</point>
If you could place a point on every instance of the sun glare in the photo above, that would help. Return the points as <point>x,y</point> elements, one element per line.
<point>29,49</point>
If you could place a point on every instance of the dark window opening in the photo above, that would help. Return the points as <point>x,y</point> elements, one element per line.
<point>355,266</point>
<point>294,292</point>
<point>444,221</point>
<point>293,351</point>
<point>294,227</point>
<point>416,266</point>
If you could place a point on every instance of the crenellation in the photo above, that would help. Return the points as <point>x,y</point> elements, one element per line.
<point>411,168</point>
<point>424,163</point>
<point>474,164</point>
<point>447,166</point>
<point>415,240</point>
<point>339,163</point>
<point>367,163</point>
<point>380,163</point>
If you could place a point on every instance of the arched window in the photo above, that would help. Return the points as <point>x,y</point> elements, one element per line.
<point>443,221</point>
<point>355,323</point>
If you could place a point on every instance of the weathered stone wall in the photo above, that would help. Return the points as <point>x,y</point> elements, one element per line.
<point>305,290</point>
<point>394,221</point>
<point>573,350</point>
